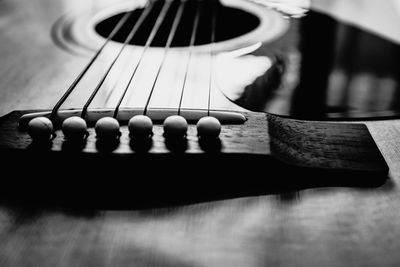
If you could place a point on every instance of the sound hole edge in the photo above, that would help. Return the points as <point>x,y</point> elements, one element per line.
<point>76,32</point>
<point>232,22</point>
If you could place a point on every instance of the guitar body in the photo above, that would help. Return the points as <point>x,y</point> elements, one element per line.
<point>279,189</point>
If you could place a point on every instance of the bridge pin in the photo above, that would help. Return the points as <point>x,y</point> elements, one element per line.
<point>74,128</point>
<point>175,126</point>
<point>140,126</point>
<point>40,129</point>
<point>107,128</point>
<point>208,127</point>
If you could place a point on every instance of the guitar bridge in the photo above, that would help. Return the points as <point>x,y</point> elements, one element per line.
<point>157,115</point>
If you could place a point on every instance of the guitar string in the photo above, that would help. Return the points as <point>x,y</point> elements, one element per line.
<point>212,42</point>
<point>128,40</point>
<point>116,29</point>
<point>191,46</point>
<point>147,45</point>
<point>171,36</point>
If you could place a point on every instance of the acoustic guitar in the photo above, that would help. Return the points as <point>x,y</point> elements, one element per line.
<point>241,133</point>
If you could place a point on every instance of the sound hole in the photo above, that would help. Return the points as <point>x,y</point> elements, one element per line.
<point>231,23</point>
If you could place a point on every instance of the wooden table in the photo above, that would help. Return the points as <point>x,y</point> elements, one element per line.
<point>357,225</point>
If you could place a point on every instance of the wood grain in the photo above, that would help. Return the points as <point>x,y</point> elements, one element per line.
<point>324,144</point>
<point>329,227</point>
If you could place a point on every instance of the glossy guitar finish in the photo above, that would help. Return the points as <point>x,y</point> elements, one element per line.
<point>162,75</point>
<point>260,163</point>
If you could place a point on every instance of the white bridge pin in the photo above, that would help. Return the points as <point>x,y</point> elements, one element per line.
<point>107,128</point>
<point>74,128</point>
<point>40,129</point>
<point>175,126</point>
<point>140,126</point>
<point>208,127</point>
